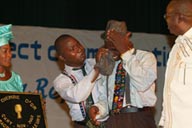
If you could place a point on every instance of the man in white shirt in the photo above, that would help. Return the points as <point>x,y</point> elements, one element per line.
<point>177,105</point>
<point>77,81</point>
<point>141,67</point>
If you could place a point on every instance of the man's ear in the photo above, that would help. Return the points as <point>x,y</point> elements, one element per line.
<point>61,58</point>
<point>129,34</point>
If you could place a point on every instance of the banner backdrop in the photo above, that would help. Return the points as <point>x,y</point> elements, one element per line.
<point>34,59</point>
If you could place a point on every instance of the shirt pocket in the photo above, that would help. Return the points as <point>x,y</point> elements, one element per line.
<point>188,74</point>
<point>184,73</point>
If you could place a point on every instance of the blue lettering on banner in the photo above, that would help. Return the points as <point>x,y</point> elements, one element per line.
<point>51,50</point>
<point>18,52</point>
<point>161,55</point>
<point>36,46</point>
<point>42,84</point>
<point>25,46</point>
<point>21,55</point>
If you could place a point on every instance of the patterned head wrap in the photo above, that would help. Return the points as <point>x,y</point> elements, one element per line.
<point>5,34</point>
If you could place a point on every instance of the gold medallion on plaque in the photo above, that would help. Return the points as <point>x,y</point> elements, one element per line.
<point>21,110</point>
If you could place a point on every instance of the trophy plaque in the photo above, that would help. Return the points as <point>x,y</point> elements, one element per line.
<point>21,110</point>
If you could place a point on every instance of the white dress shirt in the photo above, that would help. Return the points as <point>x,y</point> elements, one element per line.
<point>74,94</point>
<point>143,73</point>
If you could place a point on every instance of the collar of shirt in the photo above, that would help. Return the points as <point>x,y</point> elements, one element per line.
<point>89,64</point>
<point>182,38</point>
<point>188,33</point>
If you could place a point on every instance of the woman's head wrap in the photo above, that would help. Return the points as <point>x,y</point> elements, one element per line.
<point>5,34</point>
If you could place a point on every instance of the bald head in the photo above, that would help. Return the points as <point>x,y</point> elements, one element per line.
<point>181,6</point>
<point>179,16</point>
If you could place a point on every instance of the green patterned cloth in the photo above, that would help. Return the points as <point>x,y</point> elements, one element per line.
<point>14,84</point>
<point>5,34</point>
<point>90,125</point>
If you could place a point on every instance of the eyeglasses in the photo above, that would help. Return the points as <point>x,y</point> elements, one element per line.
<point>165,16</point>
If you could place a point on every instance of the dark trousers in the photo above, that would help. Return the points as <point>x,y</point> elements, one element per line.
<point>78,126</point>
<point>82,125</point>
<point>143,119</point>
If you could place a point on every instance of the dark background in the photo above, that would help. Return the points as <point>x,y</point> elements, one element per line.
<point>140,15</point>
